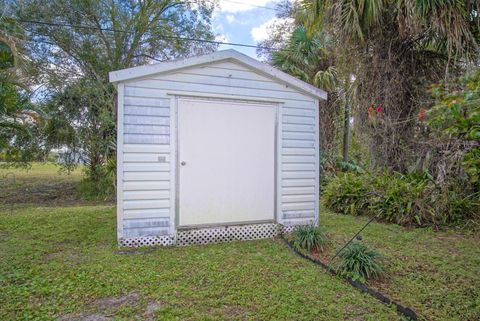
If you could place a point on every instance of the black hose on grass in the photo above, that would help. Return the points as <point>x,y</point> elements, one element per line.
<point>407,312</point>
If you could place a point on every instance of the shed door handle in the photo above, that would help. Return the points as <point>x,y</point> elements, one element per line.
<point>183,163</point>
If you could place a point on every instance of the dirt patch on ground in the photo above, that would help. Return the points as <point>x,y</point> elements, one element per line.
<point>39,194</point>
<point>105,308</point>
<point>151,310</point>
<point>236,312</point>
<point>354,312</point>
<point>113,303</point>
<point>89,317</point>
<point>48,195</point>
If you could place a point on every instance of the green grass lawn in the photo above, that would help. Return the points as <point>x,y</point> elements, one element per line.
<point>437,274</point>
<point>59,260</point>
<point>64,261</point>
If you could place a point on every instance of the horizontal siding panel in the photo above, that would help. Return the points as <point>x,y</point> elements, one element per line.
<point>146,213</point>
<point>298,182</point>
<point>299,104</point>
<point>298,190</point>
<point>155,82</point>
<point>146,195</point>
<point>142,204</point>
<point>143,186</point>
<point>139,148</point>
<point>206,88</point>
<point>298,174</point>
<point>146,129</point>
<point>146,167</point>
<point>298,214</point>
<point>287,111</point>
<point>294,143</point>
<point>145,157</point>
<point>298,159</point>
<point>150,111</point>
<point>299,151</point>
<point>298,198</point>
<point>299,135</point>
<point>299,221</point>
<point>147,222</point>
<point>298,120</point>
<point>298,206</point>
<point>228,65</point>
<point>146,139</point>
<point>142,232</point>
<point>148,176</point>
<point>226,72</point>
<point>146,120</point>
<point>146,101</point>
<point>298,167</point>
<point>298,128</point>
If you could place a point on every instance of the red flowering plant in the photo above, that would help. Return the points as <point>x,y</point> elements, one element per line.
<point>374,112</point>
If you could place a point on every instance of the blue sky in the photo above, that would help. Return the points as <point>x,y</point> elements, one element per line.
<point>238,23</point>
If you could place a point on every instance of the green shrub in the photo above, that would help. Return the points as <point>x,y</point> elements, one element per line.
<point>346,192</point>
<point>99,190</point>
<point>409,199</point>
<point>103,186</point>
<point>310,237</point>
<point>350,166</point>
<point>360,262</point>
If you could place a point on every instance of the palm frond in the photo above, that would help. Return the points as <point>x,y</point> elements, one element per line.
<point>326,79</point>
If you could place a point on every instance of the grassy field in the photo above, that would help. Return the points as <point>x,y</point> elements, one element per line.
<point>43,183</point>
<point>59,260</point>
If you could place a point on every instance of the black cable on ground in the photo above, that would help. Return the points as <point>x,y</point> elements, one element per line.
<point>407,312</point>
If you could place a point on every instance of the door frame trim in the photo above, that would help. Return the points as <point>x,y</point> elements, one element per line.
<point>175,165</point>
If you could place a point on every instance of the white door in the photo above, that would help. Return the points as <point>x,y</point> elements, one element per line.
<point>226,162</point>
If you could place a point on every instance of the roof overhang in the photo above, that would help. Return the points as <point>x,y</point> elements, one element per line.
<point>230,54</point>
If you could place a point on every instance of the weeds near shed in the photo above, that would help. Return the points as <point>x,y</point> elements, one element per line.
<point>310,237</point>
<point>360,262</point>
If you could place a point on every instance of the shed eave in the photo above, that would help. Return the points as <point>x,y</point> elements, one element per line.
<point>230,54</point>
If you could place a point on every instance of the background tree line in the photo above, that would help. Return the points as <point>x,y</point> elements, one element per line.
<point>69,48</point>
<point>402,75</point>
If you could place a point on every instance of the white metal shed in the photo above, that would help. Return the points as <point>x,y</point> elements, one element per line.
<point>214,148</point>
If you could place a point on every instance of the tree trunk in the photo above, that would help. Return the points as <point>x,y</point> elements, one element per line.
<point>346,133</point>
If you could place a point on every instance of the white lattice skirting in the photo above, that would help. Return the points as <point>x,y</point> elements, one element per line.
<point>211,235</point>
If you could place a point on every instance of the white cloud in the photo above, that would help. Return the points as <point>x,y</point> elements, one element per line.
<point>261,32</point>
<point>230,18</point>
<point>241,5</point>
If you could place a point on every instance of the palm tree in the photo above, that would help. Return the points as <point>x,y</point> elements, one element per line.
<point>308,56</point>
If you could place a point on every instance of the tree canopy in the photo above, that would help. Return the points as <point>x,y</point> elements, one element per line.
<point>75,44</point>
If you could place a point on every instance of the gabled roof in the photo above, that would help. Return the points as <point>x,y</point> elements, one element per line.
<point>224,55</point>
